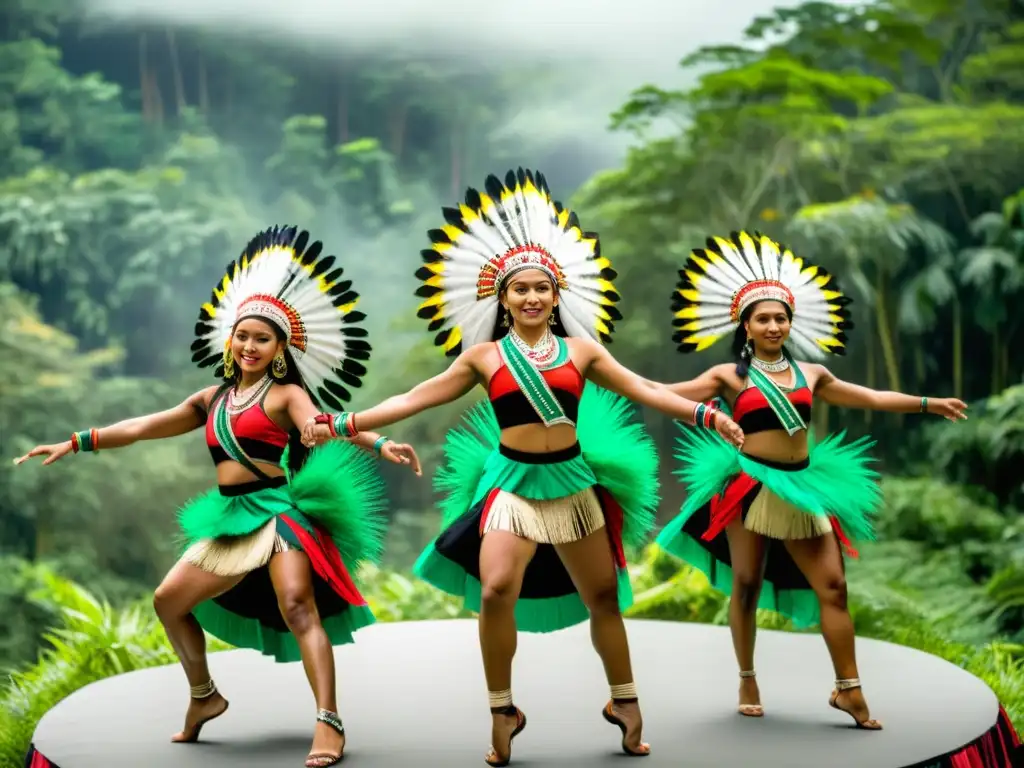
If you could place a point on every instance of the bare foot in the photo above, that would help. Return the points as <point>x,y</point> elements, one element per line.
<point>503,729</point>
<point>328,746</point>
<point>852,702</point>
<point>200,712</point>
<point>629,714</point>
<point>750,698</point>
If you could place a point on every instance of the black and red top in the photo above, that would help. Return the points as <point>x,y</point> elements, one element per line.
<point>513,409</point>
<point>258,435</point>
<point>753,414</point>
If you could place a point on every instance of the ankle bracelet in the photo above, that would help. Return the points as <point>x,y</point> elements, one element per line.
<point>625,692</point>
<point>500,699</point>
<point>203,691</point>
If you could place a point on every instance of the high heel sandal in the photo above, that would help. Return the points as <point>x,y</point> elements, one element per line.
<point>846,685</point>
<point>749,710</point>
<point>492,757</point>
<point>199,693</point>
<point>614,719</point>
<point>315,759</point>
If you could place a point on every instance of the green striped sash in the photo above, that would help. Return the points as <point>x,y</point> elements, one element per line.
<point>786,412</point>
<point>531,382</point>
<point>226,437</point>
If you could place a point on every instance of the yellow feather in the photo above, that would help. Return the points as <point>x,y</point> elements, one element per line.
<point>746,241</point>
<point>703,264</point>
<point>437,267</point>
<point>468,214</point>
<point>210,309</point>
<point>688,313</point>
<point>563,219</point>
<point>346,308</point>
<point>486,204</point>
<point>694,277</point>
<point>436,300</point>
<point>602,262</point>
<point>831,296</point>
<point>442,248</point>
<point>689,294</point>
<point>454,233</point>
<point>693,325</point>
<point>453,339</point>
<point>835,318</point>
<point>822,281</point>
<point>605,285</point>
<point>602,326</point>
<point>702,342</point>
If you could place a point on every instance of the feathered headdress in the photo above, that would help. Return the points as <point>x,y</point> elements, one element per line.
<point>718,283</point>
<point>282,277</point>
<point>497,233</point>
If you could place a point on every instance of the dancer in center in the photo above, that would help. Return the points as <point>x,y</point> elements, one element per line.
<point>541,500</point>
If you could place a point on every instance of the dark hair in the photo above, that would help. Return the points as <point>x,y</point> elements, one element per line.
<point>500,330</point>
<point>739,339</point>
<point>297,452</point>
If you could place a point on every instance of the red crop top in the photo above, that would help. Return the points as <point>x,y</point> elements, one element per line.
<point>753,414</point>
<point>513,409</point>
<point>260,437</point>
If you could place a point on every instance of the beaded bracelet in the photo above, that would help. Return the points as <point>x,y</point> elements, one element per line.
<point>379,445</point>
<point>924,405</point>
<point>344,423</point>
<point>704,415</point>
<point>86,441</point>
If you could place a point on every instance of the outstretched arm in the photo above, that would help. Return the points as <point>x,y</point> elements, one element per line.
<point>835,391</point>
<point>457,380</point>
<point>179,420</point>
<point>609,373</point>
<point>302,412</point>
<point>703,388</point>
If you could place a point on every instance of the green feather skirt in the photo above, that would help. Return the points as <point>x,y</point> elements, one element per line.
<point>615,457</point>
<point>837,485</point>
<point>331,509</point>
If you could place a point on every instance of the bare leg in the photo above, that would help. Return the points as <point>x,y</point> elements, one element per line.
<point>503,561</point>
<point>747,552</point>
<point>184,587</point>
<point>821,562</point>
<point>590,564</point>
<point>292,576</point>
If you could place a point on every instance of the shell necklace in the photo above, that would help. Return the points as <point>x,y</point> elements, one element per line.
<point>771,366</point>
<point>540,355</point>
<point>240,402</point>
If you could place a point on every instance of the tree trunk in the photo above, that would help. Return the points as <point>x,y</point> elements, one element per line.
<point>958,349</point>
<point>204,86</point>
<point>455,164</point>
<point>343,130</point>
<point>179,82</point>
<point>892,368</point>
<point>157,97</point>
<point>144,85</point>
<point>397,117</point>
<point>920,371</point>
<point>872,372</point>
<point>996,346</point>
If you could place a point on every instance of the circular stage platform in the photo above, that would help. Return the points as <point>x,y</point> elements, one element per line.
<point>413,694</point>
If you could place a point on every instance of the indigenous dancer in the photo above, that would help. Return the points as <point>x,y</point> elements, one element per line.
<point>542,499</point>
<point>783,487</point>
<point>270,550</point>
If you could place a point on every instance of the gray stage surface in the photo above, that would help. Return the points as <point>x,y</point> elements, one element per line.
<point>414,694</point>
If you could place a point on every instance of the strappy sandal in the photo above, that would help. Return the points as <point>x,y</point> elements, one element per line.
<point>492,757</point>
<point>614,719</point>
<point>199,693</point>
<point>846,685</point>
<point>749,710</point>
<point>316,759</point>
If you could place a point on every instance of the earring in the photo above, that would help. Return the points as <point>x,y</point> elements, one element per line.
<point>507,319</point>
<point>279,367</point>
<point>551,318</point>
<point>748,349</point>
<point>229,360</point>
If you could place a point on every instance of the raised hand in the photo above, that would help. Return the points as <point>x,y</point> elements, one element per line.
<point>402,453</point>
<point>728,429</point>
<point>51,452</point>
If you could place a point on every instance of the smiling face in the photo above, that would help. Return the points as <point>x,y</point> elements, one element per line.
<point>768,328</point>
<point>254,344</point>
<point>531,298</point>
